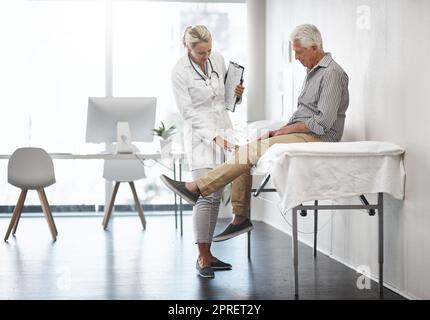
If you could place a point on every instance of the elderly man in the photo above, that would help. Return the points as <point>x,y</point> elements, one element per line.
<point>320,116</point>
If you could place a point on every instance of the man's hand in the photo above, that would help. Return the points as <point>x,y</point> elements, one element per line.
<point>272,133</point>
<point>280,132</point>
<point>298,127</point>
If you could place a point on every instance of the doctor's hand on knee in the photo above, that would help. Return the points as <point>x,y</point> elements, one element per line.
<point>225,144</point>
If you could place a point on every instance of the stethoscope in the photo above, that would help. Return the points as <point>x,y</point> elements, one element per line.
<point>207,80</point>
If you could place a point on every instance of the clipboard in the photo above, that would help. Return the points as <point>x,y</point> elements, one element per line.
<point>233,77</point>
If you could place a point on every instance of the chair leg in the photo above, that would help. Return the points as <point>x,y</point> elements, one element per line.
<point>16,223</point>
<point>108,212</point>
<point>16,214</point>
<point>49,211</point>
<point>19,215</point>
<point>46,211</point>
<point>138,205</point>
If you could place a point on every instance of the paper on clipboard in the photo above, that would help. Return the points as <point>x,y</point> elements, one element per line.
<point>233,77</point>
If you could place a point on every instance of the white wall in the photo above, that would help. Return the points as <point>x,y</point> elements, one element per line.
<point>384,47</point>
<point>255,71</point>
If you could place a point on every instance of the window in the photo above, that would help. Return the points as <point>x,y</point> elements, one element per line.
<point>54,58</point>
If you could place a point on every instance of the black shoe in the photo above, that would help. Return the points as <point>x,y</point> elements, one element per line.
<point>219,265</point>
<point>234,230</point>
<point>179,188</point>
<point>206,272</point>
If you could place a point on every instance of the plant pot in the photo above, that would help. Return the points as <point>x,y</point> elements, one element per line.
<point>165,146</point>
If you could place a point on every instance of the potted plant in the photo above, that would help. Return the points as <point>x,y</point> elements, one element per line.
<point>165,135</point>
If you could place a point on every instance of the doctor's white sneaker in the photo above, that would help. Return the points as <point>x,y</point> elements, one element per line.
<point>179,188</point>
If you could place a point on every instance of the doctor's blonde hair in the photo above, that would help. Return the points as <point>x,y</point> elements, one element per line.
<point>193,35</point>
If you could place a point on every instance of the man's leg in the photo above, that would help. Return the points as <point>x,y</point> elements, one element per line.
<point>245,157</point>
<point>241,196</point>
<point>241,186</point>
<point>240,200</point>
<point>241,189</point>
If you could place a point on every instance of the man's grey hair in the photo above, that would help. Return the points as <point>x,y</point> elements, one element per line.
<point>307,35</point>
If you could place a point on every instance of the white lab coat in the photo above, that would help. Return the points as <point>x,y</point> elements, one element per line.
<point>203,113</point>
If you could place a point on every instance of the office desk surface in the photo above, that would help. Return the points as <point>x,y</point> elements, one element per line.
<point>110,156</point>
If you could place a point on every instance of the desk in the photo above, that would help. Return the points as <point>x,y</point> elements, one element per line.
<point>109,156</point>
<point>177,159</point>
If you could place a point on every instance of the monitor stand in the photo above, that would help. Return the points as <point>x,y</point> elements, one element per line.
<point>123,138</point>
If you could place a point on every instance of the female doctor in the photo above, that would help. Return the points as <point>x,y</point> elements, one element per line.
<point>198,87</point>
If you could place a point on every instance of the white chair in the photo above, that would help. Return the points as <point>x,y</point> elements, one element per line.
<point>31,169</point>
<point>123,171</point>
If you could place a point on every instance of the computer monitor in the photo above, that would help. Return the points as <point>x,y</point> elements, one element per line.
<point>121,120</point>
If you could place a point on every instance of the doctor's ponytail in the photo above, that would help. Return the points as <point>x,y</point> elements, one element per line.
<point>193,35</point>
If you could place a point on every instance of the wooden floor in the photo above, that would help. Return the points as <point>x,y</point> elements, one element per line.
<point>127,263</point>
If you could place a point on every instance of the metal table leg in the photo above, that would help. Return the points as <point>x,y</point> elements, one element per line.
<point>176,204</point>
<point>180,199</point>
<point>315,228</point>
<point>249,244</point>
<point>249,240</point>
<point>381,241</point>
<point>295,253</point>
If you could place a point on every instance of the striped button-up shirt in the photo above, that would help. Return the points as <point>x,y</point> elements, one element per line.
<point>324,100</point>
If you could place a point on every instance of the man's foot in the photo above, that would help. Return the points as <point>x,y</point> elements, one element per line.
<point>180,189</point>
<point>219,265</point>
<point>238,219</point>
<point>204,272</point>
<point>234,230</point>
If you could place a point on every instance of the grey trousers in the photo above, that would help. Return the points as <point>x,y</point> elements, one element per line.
<point>205,211</point>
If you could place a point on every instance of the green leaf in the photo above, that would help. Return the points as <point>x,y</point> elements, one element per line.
<point>161,131</point>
